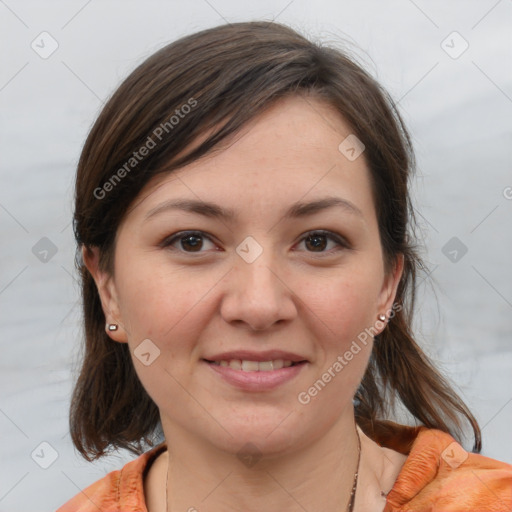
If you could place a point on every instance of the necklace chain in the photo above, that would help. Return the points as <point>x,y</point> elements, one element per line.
<point>352,499</point>
<point>351,502</point>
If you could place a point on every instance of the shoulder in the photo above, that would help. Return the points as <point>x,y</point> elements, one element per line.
<point>121,490</point>
<point>439,474</point>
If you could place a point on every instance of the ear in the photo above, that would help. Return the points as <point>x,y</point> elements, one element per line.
<point>107,292</point>
<point>388,291</point>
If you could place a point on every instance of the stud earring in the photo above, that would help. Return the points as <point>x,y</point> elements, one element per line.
<point>382,318</point>
<point>112,327</point>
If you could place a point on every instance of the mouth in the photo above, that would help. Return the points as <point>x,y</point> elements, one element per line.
<point>247,365</point>
<point>255,376</point>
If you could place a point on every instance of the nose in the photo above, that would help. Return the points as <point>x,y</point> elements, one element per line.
<point>257,294</point>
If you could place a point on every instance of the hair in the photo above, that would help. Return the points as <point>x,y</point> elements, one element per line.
<point>226,76</point>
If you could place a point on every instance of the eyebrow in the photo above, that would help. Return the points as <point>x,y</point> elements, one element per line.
<point>211,210</point>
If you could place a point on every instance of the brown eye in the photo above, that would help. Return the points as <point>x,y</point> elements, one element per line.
<point>317,241</point>
<point>193,241</point>
<point>190,241</point>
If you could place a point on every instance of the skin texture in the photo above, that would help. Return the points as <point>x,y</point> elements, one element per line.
<point>196,301</point>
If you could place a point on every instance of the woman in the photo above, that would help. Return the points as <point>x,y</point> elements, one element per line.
<point>248,273</point>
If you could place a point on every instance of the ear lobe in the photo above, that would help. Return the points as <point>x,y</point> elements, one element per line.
<point>107,292</point>
<point>390,287</point>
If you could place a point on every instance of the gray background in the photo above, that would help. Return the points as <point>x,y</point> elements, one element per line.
<point>458,108</point>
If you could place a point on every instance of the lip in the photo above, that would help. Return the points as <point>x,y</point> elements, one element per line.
<point>248,355</point>
<point>257,381</point>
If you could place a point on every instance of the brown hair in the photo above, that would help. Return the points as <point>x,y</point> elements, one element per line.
<point>226,76</point>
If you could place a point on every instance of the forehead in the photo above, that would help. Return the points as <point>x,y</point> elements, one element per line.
<point>288,153</point>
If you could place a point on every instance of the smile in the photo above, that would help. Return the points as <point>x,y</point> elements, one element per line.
<point>256,376</point>
<point>254,366</point>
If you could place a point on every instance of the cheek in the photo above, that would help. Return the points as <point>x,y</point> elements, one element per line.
<point>345,309</point>
<point>170,308</point>
<point>344,304</point>
<point>165,305</point>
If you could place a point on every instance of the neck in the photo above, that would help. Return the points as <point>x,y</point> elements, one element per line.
<point>318,476</point>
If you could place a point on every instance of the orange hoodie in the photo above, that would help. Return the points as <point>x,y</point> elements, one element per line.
<point>438,476</point>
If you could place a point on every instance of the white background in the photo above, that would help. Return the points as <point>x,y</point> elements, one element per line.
<point>458,110</point>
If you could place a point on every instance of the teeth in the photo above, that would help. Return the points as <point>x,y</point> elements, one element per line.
<point>254,366</point>
<point>264,366</point>
<point>278,364</point>
<point>235,364</point>
<point>250,366</point>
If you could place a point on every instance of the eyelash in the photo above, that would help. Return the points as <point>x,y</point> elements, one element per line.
<point>167,242</point>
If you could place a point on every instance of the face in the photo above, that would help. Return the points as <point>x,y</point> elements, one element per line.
<point>297,285</point>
